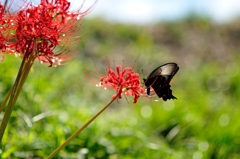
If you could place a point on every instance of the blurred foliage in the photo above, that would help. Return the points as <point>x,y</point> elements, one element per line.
<point>202,123</point>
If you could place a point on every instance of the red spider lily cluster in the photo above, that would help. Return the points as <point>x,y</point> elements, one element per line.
<point>124,81</point>
<point>39,29</point>
<point>7,31</point>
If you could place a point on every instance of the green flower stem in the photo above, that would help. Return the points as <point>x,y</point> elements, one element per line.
<point>79,130</point>
<point>16,82</point>
<point>21,77</point>
<point>6,99</point>
<point>8,95</point>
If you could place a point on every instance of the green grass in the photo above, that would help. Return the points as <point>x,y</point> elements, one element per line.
<point>202,123</point>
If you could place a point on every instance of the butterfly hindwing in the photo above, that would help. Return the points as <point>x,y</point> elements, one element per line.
<point>159,80</point>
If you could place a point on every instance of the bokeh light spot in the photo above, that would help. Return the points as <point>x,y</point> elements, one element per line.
<point>215,83</point>
<point>203,146</point>
<point>232,69</point>
<point>169,105</point>
<point>146,111</point>
<point>197,155</point>
<point>223,120</point>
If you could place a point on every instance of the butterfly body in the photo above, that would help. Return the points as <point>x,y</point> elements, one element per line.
<point>159,80</point>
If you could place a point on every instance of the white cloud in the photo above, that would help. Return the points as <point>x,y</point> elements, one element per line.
<point>143,11</point>
<point>222,10</point>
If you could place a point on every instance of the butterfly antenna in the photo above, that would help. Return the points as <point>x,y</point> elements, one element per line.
<point>144,72</point>
<point>134,64</point>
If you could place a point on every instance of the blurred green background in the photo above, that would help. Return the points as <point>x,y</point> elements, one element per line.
<point>202,123</point>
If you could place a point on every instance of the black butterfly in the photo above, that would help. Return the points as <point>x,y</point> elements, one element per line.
<point>159,80</point>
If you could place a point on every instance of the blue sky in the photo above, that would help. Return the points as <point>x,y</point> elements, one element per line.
<point>147,11</point>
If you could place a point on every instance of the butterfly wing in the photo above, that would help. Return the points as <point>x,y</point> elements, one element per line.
<point>164,92</point>
<point>159,80</point>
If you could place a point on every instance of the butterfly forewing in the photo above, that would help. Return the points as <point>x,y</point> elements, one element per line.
<point>169,69</point>
<point>159,80</point>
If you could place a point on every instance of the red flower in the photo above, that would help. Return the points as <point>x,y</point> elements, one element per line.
<point>2,38</point>
<point>7,30</point>
<point>43,28</point>
<point>124,81</point>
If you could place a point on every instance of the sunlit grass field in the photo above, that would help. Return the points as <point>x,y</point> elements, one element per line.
<point>202,123</point>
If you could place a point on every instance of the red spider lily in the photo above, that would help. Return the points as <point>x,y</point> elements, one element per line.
<point>124,81</point>
<point>2,38</point>
<point>43,28</point>
<point>35,32</point>
<point>7,30</point>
